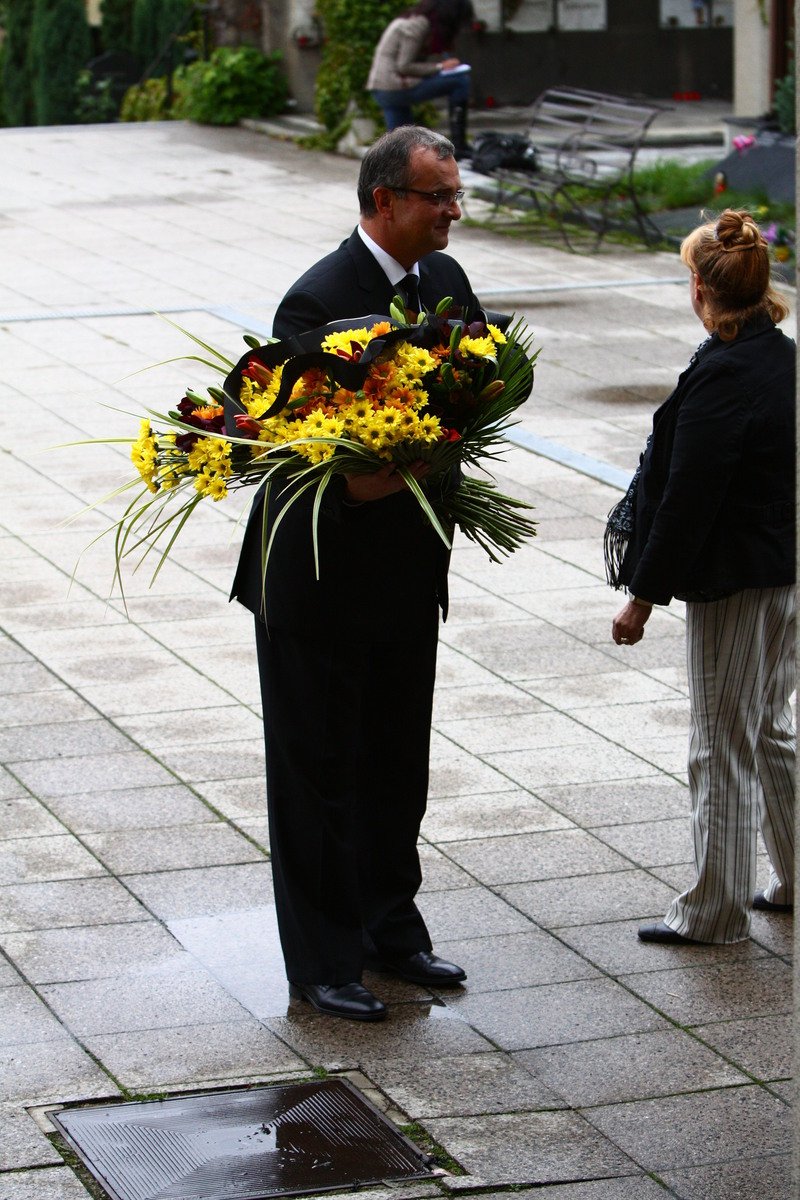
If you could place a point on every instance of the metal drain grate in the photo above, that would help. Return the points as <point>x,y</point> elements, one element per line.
<point>241,1145</point>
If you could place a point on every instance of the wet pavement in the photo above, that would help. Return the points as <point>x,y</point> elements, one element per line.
<point>135,895</point>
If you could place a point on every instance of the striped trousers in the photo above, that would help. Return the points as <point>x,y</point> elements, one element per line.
<point>740,654</point>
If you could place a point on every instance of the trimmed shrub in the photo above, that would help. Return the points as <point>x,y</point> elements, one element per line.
<point>784,103</point>
<point>153,23</point>
<point>235,82</point>
<point>16,73</point>
<point>60,47</point>
<point>116,29</point>
<point>145,102</point>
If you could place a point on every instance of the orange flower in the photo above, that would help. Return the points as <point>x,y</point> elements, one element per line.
<point>208,412</point>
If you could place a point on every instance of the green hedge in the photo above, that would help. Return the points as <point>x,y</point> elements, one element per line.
<point>16,69</point>
<point>60,47</point>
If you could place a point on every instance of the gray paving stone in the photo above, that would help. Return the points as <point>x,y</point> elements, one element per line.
<point>614,947</point>
<point>413,1033</point>
<point>513,731</point>
<point>594,761</point>
<point>203,728</point>
<point>159,999</point>
<point>774,932</point>
<point>26,817</point>
<point>439,873</point>
<point>27,677</point>
<point>67,902</point>
<point>560,903</point>
<point>629,1187</point>
<point>196,764</point>
<point>64,739</point>
<point>552,854</point>
<point>22,709</point>
<point>12,652</point>
<point>8,975</point>
<point>93,952</point>
<point>521,651</point>
<point>696,995</point>
<point>172,895</point>
<point>677,1132</point>
<point>109,772</point>
<point>494,700</point>
<point>529,1148</point>
<point>25,1018</point>
<point>50,1071</point>
<point>573,693</point>
<point>10,787</point>
<point>760,1045</point>
<point>209,844</point>
<point>449,915</point>
<point>131,808</point>
<point>36,860</point>
<point>735,1180</point>
<point>50,1183</point>
<point>457,818</point>
<point>461,774</point>
<point>618,802</point>
<point>552,1014</point>
<point>22,1143</point>
<point>234,798</point>
<point>159,1058</point>
<point>650,843</point>
<point>515,960</point>
<point>465,1086</point>
<point>631,1067</point>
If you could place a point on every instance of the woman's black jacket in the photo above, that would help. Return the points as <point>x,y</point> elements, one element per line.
<point>715,503</point>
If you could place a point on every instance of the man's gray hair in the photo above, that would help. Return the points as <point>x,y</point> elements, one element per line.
<point>387,162</point>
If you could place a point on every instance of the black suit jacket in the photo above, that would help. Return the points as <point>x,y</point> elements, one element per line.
<point>379,563</point>
<point>715,509</point>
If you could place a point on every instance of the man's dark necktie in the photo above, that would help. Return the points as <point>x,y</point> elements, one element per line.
<point>408,288</point>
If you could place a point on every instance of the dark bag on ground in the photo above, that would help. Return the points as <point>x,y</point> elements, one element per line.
<point>492,150</point>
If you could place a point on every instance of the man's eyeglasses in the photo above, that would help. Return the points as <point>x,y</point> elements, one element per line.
<point>440,199</point>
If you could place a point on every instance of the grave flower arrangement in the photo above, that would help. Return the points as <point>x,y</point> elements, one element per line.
<point>348,398</point>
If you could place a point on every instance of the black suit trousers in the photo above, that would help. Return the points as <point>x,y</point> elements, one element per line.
<point>347,732</point>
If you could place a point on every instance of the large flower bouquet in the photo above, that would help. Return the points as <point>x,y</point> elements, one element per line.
<point>345,399</point>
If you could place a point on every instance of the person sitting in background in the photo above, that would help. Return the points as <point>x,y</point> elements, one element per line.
<point>404,74</point>
<point>714,525</point>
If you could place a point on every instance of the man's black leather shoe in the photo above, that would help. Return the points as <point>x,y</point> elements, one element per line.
<point>423,967</point>
<point>657,931</point>
<point>350,1000</point>
<point>761,902</point>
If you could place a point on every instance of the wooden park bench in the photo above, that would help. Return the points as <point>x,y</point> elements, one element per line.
<point>585,147</point>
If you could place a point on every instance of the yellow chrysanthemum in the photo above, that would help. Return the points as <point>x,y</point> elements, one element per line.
<point>210,456</point>
<point>217,488</point>
<point>144,455</point>
<point>414,361</point>
<point>479,347</point>
<point>429,428</point>
<point>343,341</point>
<point>497,335</point>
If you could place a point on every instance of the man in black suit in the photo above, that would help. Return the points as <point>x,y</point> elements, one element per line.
<point>347,659</point>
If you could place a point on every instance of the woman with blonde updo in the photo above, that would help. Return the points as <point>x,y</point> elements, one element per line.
<point>710,519</point>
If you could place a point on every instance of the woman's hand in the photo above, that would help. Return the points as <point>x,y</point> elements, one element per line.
<point>384,482</point>
<point>628,625</point>
<point>449,63</point>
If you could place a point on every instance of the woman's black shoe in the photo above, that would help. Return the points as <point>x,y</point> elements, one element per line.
<point>761,903</point>
<point>350,1000</point>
